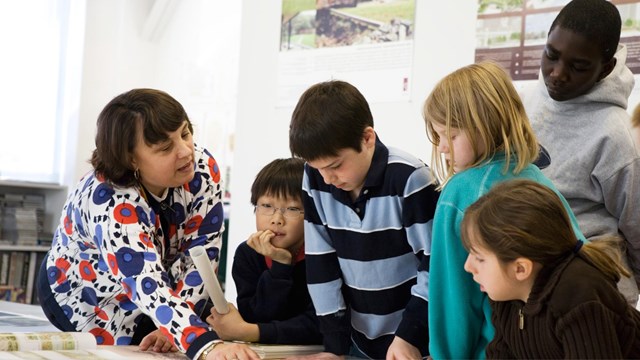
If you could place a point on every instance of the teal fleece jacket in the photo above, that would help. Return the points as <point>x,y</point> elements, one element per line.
<point>459,313</point>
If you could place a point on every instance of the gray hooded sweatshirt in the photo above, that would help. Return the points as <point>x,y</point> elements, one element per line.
<point>594,162</point>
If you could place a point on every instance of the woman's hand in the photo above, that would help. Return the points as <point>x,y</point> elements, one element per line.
<point>157,342</point>
<point>261,243</point>
<point>231,326</point>
<point>318,356</point>
<point>232,351</point>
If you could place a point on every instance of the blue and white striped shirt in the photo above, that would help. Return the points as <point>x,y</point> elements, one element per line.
<point>373,262</point>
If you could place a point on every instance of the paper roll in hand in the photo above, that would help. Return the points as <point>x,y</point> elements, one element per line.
<point>211,284</point>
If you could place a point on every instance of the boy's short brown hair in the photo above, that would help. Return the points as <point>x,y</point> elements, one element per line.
<point>329,117</point>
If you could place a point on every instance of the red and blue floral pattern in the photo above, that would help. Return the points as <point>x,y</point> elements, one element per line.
<point>106,264</point>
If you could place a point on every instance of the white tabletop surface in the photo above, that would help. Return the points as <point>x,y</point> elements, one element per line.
<point>17,317</point>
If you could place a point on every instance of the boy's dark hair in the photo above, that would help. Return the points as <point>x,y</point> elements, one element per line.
<point>329,117</point>
<point>153,112</point>
<point>281,177</point>
<point>597,20</point>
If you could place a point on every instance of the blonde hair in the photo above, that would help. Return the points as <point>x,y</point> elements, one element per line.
<point>480,99</point>
<point>522,218</point>
<point>635,118</point>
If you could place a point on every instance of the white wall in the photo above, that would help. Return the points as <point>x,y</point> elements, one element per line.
<point>190,60</point>
<point>115,60</point>
<point>180,51</point>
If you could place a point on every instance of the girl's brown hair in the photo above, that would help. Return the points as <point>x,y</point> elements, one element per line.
<point>480,99</point>
<point>522,218</point>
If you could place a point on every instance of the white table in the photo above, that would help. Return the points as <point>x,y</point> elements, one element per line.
<point>17,317</point>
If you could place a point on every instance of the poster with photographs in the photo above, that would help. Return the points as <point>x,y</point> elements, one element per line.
<point>514,33</point>
<point>368,43</point>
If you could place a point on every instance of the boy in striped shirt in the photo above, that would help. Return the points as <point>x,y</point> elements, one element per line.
<point>368,214</point>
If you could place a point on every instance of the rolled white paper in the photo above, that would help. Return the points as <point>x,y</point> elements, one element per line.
<point>211,284</point>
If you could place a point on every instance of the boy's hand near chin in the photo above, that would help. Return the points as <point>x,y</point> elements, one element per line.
<point>261,243</point>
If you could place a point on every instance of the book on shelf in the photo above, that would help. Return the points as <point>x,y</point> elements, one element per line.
<point>21,218</point>
<point>16,277</point>
<point>17,266</point>
<point>5,258</point>
<point>19,269</point>
<point>13,294</point>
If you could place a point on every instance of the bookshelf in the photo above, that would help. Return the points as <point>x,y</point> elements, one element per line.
<point>31,256</point>
<point>30,213</point>
<point>55,196</point>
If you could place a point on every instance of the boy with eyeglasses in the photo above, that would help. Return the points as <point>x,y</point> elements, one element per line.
<point>368,215</point>
<point>274,306</point>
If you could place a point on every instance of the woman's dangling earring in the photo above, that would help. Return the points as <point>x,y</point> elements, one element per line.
<point>136,174</point>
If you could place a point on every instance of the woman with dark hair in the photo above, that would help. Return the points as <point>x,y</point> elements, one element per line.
<point>119,266</point>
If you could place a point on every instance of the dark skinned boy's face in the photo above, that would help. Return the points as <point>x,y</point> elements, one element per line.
<point>571,64</point>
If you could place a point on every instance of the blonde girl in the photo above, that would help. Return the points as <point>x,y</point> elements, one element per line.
<point>481,136</point>
<point>553,296</point>
<point>635,125</point>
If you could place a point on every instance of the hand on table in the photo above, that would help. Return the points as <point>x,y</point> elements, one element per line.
<point>401,349</point>
<point>232,351</point>
<point>157,342</point>
<point>318,356</point>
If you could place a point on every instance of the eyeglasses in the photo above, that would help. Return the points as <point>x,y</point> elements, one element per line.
<point>268,210</point>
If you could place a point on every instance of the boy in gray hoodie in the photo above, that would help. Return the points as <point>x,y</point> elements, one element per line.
<point>578,111</point>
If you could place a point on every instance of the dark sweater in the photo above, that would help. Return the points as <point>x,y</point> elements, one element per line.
<point>573,311</point>
<point>276,299</point>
